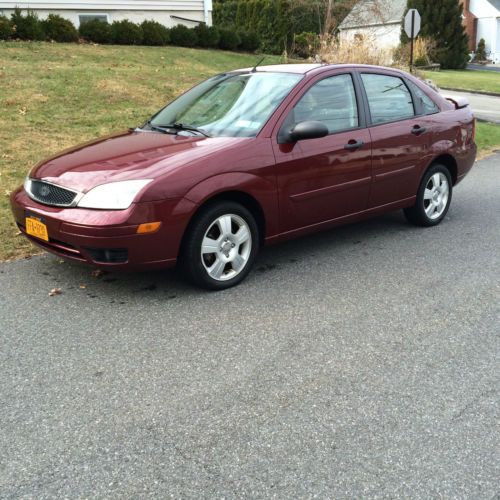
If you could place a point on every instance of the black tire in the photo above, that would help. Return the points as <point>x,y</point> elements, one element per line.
<point>418,214</point>
<point>197,267</point>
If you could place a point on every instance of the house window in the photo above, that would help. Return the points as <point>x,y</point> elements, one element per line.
<point>83,18</point>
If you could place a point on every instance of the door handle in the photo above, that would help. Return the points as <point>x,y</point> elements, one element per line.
<point>418,130</point>
<point>352,145</point>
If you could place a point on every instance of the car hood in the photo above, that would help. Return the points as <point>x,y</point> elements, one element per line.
<point>128,155</point>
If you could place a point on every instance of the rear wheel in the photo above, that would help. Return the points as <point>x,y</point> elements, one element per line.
<point>221,246</point>
<point>433,198</point>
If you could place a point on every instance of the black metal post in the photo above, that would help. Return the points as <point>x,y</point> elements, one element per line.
<point>412,37</point>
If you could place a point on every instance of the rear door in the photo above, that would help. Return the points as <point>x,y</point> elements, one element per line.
<point>400,138</point>
<point>326,178</point>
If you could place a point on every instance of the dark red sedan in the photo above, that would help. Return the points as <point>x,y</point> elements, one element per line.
<point>249,157</point>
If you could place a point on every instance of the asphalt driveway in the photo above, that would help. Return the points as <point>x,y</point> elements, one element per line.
<point>360,362</point>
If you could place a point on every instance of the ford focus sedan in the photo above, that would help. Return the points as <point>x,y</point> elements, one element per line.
<point>246,158</point>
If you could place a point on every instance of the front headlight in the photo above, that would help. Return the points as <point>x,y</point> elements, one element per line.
<point>113,196</point>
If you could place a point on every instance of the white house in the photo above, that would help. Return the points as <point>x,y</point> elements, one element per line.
<point>167,12</point>
<point>378,21</point>
<point>486,24</point>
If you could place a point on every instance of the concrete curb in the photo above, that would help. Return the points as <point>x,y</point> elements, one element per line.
<point>492,94</point>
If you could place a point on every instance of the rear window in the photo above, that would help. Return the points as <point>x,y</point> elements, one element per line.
<point>427,104</point>
<point>389,99</point>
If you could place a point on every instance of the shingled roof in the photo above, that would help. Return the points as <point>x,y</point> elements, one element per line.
<point>374,13</point>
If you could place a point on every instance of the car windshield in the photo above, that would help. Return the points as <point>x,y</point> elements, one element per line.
<point>231,105</point>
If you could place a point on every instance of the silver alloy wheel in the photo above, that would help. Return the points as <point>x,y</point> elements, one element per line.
<point>436,195</point>
<point>226,247</point>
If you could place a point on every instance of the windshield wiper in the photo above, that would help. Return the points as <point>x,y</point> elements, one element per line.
<point>181,126</point>
<point>157,128</point>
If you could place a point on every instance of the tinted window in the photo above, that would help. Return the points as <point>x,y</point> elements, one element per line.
<point>388,98</point>
<point>428,105</point>
<point>331,101</point>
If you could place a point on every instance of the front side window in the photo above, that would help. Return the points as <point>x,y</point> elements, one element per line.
<point>331,101</point>
<point>427,104</point>
<point>389,99</point>
<point>231,105</point>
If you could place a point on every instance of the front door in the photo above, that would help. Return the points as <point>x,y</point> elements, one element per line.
<point>326,178</point>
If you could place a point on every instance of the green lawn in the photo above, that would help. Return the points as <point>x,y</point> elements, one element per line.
<point>480,81</point>
<point>487,138</point>
<point>53,96</point>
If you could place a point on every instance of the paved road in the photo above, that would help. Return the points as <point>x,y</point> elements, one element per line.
<point>481,67</point>
<point>361,362</point>
<point>485,107</point>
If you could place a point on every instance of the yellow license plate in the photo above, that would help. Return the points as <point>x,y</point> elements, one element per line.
<point>36,228</point>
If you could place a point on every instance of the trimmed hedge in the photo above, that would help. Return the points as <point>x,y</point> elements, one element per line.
<point>126,33</point>
<point>229,39</point>
<point>208,36</point>
<point>6,28</point>
<point>183,36</point>
<point>27,27</point>
<point>59,29</point>
<point>250,41</point>
<point>96,31</point>
<point>154,33</point>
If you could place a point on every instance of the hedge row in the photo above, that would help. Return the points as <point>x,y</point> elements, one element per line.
<point>58,29</point>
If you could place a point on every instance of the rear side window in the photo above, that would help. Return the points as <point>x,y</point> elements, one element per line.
<point>427,104</point>
<point>388,98</point>
<point>331,101</point>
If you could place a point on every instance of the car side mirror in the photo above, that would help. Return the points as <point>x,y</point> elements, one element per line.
<point>304,130</point>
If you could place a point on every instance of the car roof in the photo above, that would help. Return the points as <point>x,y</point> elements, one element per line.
<point>303,68</point>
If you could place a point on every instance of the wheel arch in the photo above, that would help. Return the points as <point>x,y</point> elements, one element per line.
<point>449,162</point>
<point>237,196</point>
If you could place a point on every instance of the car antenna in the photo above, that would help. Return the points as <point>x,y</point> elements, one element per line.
<point>254,69</point>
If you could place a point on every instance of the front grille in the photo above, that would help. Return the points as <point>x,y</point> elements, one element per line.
<point>50,194</point>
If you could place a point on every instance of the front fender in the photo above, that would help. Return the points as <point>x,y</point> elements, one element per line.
<point>263,190</point>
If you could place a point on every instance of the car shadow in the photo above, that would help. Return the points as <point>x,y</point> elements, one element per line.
<point>169,284</point>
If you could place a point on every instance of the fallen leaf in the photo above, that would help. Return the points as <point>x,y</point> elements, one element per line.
<point>22,111</point>
<point>97,273</point>
<point>55,291</point>
<point>83,287</point>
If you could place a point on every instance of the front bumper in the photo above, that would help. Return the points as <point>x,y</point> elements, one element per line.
<point>108,238</point>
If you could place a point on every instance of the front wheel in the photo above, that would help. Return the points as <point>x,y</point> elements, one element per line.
<point>221,246</point>
<point>433,198</point>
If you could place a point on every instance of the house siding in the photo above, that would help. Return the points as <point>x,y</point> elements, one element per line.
<point>165,12</point>
<point>487,25</point>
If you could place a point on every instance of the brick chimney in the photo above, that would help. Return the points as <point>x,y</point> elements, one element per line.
<point>470,23</point>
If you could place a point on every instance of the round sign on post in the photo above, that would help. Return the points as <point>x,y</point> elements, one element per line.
<point>412,29</point>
